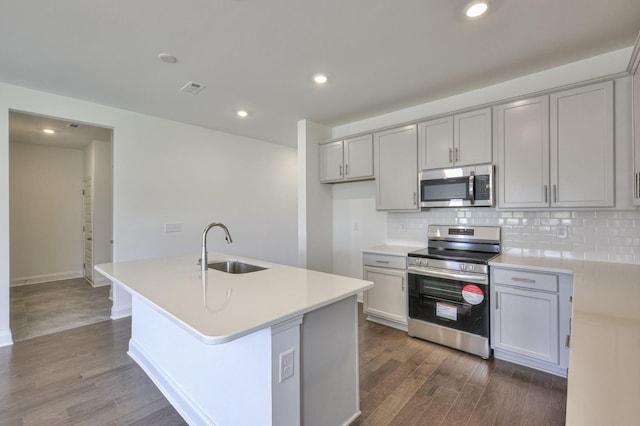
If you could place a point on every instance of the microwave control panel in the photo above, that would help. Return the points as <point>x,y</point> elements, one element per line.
<point>483,187</point>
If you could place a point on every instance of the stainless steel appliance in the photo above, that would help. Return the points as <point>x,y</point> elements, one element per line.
<point>449,287</point>
<point>462,186</point>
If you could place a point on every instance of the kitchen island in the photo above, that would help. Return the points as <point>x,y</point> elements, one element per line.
<point>604,373</point>
<point>277,346</point>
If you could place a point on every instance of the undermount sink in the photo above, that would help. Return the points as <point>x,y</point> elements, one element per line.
<point>234,267</point>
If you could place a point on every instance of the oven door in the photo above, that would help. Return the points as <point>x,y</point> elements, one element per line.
<point>458,301</point>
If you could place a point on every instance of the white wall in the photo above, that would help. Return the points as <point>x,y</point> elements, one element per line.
<point>46,213</point>
<point>97,166</point>
<point>612,235</point>
<point>315,218</point>
<point>170,172</point>
<point>356,225</point>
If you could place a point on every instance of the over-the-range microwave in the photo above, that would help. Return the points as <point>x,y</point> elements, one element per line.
<point>457,187</point>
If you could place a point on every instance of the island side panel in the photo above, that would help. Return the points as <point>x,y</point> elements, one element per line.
<point>227,384</point>
<point>329,351</point>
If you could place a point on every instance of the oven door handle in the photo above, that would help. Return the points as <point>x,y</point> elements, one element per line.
<point>476,279</point>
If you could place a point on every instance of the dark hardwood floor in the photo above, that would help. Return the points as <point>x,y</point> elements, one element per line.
<point>84,377</point>
<point>406,381</point>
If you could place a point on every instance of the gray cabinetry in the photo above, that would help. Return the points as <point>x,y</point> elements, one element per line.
<point>457,140</point>
<point>396,169</point>
<point>350,159</point>
<point>636,139</point>
<point>386,302</point>
<point>557,150</point>
<point>531,317</point>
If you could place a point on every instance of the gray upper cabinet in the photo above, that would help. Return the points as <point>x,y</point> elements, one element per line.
<point>557,150</point>
<point>351,159</point>
<point>472,138</point>
<point>458,140</point>
<point>435,149</point>
<point>582,156</point>
<point>636,139</point>
<point>396,169</point>
<point>523,153</point>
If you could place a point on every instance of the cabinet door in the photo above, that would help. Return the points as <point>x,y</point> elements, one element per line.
<point>358,157</point>
<point>523,153</point>
<point>582,162</point>
<point>331,162</point>
<point>472,138</point>
<point>526,322</point>
<point>388,298</point>
<point>435,146</point>
<point>636,138</point>
<point>396,169</point>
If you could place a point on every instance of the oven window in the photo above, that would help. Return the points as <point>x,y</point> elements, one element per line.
<point>445,189</point>
<point>450,303</point>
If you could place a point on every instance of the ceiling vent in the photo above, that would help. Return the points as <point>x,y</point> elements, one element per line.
<point>72,125</point>
<point>192,87</point>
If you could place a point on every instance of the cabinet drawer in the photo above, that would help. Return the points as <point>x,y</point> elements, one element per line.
<point>530,280</point>
<point>385,261</point>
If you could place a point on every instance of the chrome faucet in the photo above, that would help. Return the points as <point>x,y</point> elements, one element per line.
<point>203,260</point>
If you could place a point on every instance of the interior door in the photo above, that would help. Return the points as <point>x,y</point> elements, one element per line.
<point>87,228</point>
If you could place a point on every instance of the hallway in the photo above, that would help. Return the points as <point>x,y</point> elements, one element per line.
<point>40,309</point>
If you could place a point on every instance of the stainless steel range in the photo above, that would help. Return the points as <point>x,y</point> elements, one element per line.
<point>449,287</point>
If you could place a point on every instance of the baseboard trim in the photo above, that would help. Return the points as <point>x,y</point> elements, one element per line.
<point>529,362</point>
<point>5,338</point>
<point>118,312</point>
<point>187,408</point>
<point>100,281</point>
<point>353,418</point>
<point>37,279</point>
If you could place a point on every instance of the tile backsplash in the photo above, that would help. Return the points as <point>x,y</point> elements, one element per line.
<point>603,235</point>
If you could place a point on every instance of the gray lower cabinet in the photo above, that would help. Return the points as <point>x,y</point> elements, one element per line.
<point>531,318</point>
<point>386,302</point>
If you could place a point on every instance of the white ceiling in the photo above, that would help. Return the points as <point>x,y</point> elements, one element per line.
<point>259,55</point>
<point>27,128</point>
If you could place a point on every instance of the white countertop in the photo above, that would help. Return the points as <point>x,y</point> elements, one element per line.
<point>219,307</point>
<point>392,249</point>
<point>604,363</point>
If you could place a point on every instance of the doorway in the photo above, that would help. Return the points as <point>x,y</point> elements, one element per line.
<point>53,163</point>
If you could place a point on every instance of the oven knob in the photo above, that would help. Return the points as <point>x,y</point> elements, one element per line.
<point>425,262</point>
<point>463,267</point>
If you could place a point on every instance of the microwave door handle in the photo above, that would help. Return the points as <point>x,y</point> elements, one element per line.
<point>472,185</point>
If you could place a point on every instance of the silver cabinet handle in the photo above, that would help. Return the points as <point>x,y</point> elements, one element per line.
<point>567,341</point>
<point>497,300</point>
<point>340,168</point>
<point>346,170</point>
<point>555,194</point>
<point>89,239</point>
<point>546,193</point>
<point>450,155</point>
<point>403,284</point>
<point>415,198</point>
<point>523,280</point>
<point>382,261</point>
<point>457,154</point>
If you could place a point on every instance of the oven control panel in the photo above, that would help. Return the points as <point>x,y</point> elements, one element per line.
<point>447,264</point>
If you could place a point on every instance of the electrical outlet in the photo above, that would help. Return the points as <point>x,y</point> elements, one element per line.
<point>172,227</point>
<point>561,231</point>
<point>286,365</point>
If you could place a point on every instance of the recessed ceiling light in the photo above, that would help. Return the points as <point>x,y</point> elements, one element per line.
<point>169,59</point>
<point>49,131</point>
<point>320,78</point>
<point>476,8</point>
<point>242,113</point>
